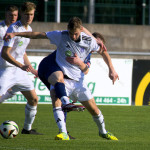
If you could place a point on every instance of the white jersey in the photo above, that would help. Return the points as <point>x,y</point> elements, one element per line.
<point>3,29</point>
<point>18,44</point>
<point>65,45</point>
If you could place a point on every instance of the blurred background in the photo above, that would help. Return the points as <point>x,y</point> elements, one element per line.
<point>125,25</point>
<point>133,12</point>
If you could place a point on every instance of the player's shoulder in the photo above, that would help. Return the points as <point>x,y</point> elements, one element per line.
<point>64,32</point>
<point>85,37</point>
<point>29,28</point>
<point>2,24</point>
<point>16,25</point>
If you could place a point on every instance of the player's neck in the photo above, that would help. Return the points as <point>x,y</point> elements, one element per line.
<point>78,40</point>
<point>7,23</point>
<point>24,24</point>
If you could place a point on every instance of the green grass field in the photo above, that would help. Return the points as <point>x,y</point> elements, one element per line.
<point>130,124</point>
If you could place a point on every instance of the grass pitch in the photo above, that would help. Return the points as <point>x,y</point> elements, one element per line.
<point>130,124</point>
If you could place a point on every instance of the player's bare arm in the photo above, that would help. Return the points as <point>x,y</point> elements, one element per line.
<point>32,35</point>
<point>77,61</point>
<point>29,66</point>
<point>7,56</point>
<point>112,73</point>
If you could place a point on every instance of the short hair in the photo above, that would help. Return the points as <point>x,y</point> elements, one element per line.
<point>11,8</point>
<point>98,35</point>
<point>27,6</point>
<point>74,23</point>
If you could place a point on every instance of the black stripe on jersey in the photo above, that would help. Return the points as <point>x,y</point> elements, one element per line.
<point>86,38</point>
<point>17,25</point>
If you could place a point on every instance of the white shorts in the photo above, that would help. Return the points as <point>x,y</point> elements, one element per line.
<point>15,78</point>
<point>77,90</point>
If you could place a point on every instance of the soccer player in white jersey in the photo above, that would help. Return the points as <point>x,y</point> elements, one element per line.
<point>11,15</point>
<point>78,90</point>
<point>13,73</point>
<point>74,43</point>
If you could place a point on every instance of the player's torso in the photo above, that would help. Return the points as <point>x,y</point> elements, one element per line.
<point>20,43</point>
<point>67,47</point>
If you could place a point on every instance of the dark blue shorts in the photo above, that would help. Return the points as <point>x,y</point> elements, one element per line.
<point>46,67</point>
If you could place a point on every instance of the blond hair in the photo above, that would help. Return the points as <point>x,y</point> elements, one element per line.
<point>74,23</point>
<point>28,6</point>
<point>11,8</point>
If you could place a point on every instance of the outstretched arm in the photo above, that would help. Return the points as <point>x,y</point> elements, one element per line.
<point>32,35</point>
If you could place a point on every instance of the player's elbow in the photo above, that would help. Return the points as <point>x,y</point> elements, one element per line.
<point>4,53</point>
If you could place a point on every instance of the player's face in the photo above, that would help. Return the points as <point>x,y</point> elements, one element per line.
<point>11,17</point>
<point>75,34</point>
<point>27,17</point>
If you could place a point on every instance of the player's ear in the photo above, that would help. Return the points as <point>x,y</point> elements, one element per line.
<point>81,28</point>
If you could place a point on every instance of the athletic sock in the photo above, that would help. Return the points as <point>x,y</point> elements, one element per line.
<point>99,119</point>
<point>61,93</point>
<point>65,100</point>
<point>60,119</point>
<point>30,112</point>
<point>65,115</point>
<point>5,96</point>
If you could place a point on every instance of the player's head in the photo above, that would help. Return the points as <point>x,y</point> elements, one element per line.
<point>27,12</point>
<point>99,36</point>
<point>11,14</point>
<point>75,28</point>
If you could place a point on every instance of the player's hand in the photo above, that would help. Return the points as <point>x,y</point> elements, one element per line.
<point>99,42</point>
<point>35,72</point>
<point>8,36</point>
<point>75,60</point>
<point>27,68</point>
<point>113,76</point>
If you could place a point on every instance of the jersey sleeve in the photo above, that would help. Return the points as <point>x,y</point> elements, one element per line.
<point>54,37</point>
<point>11,41</point>
<point>1,35</point>
<point>94,46</point>
<point>88,60</point>
<point>1,38</point>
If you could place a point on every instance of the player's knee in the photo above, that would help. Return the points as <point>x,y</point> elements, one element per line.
<point>36,100</point>
<point>33,101</point>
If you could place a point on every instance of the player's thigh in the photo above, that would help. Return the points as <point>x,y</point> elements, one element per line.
<point>31,97</point>
<point>91,106</point>
<point>56,77</point>
<point>7,79</point>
